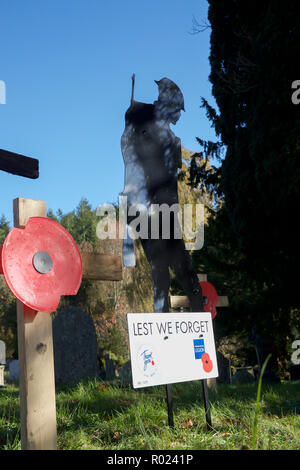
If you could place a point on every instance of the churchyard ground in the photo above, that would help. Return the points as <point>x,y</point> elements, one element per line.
<point>104,416</point>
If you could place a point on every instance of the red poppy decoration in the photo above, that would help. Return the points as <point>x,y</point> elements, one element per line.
<point>206,362</point>
<point>210,298</point>
<point>41,262</point>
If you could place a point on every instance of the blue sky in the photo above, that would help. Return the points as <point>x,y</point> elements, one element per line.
<point>67,66</point>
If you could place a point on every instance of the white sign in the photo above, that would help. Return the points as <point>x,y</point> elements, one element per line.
<point>167,348</point>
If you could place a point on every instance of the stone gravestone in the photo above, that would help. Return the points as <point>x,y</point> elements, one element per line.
<point>243,375</point>
<point>125,374</point>
<point>2,362</point>
<point>224,369</point>
<point>101,363</point>
<point>110,370</point>
<point>295,372</point>
<point>2,353</point>
<point>262,346</point>
<point>75,346</point>
<point>107,370</point>
<point>14,370</point>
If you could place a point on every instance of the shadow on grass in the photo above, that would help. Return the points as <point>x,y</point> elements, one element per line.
<point>278,398</point>
<point>94,398</point>
<point>93,407</point>
<point>9,391</point>
<point>9,417</point>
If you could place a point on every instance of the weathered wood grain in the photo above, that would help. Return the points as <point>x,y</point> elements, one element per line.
<point>36,361</point>
<point>103,267</point>
<point>182,301</point>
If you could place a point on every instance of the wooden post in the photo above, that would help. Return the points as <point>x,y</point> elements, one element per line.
<point>212,383</point>
<point>35,344</point>
<point>36,363</point>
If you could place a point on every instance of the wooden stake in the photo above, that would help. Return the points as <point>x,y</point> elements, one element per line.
<point>36,362</point>
<point>35,344</point>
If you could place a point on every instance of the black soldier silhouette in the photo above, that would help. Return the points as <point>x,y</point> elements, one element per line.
<point>152,158</point>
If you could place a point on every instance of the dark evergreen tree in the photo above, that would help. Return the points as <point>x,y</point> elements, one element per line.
<point>4,228</point>
<point>254,50</point>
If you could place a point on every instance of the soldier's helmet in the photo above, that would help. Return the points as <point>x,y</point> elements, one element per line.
<point>170,94</point>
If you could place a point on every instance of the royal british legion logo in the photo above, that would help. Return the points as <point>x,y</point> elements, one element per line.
<point>199,348</point>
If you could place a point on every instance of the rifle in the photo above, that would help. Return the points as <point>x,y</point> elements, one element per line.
<point>132,89</point>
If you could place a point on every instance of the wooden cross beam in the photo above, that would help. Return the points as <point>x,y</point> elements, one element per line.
<point>182,301</point>
<point>101,267</point>
<point>36,363</point>
<point>19,164</point>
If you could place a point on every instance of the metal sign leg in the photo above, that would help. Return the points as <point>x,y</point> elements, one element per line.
<point>206,404</point>
<point>170,406</point>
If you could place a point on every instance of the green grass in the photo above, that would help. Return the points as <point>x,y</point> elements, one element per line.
<point>95,415</point>
<point>257,406</point>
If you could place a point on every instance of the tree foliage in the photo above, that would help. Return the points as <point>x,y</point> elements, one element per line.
<point>251,242</point>
<point>8,319</point>
<point>4,228</point>
<point>106,302</point>
<point>253,50</point>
